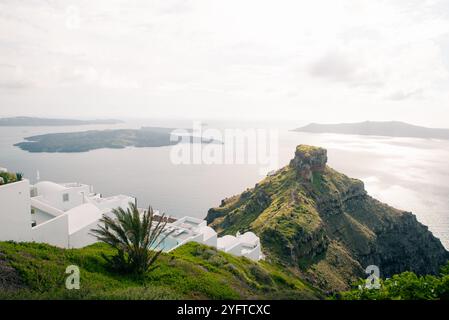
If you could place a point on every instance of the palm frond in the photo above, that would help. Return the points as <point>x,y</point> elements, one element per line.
<point>135,236</point>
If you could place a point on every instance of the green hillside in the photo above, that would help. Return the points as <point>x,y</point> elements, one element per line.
<point>324,225</point>
<point>193,271</point>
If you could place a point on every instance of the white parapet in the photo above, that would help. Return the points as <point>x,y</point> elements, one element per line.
<point>54,232</point>
<point>15,211</point>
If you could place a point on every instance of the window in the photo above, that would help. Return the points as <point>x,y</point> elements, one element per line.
<point>65,197</point>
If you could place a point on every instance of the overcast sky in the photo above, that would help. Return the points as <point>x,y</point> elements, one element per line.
<point>322,61</point>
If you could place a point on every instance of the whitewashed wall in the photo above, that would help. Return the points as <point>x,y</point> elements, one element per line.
<point>235,250</point>
<point>54,232</point>
<point>82,237</point>
<point>40,216</point>
<point>15,211</point>
<point>254,254</point>
<point>212,241</point>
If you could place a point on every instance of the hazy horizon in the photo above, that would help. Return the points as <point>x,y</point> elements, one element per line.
<point>189,121</point>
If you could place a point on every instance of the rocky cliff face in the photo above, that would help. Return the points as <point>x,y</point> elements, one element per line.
<point>325,226</point>
<point>308,160</point>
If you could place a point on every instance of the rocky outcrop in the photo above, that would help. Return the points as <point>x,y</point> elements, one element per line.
<point>323,223</point>
<point>308,160</point>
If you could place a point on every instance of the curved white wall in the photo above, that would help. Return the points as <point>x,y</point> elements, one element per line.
<point>15,211</point>
<point>54,232</point>
<point>82,237</point>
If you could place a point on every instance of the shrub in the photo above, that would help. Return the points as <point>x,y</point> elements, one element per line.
<point>19,176</point>
<point>403,286</point>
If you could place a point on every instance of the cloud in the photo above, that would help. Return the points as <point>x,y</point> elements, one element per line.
<point>230,58</point>
<point>405,95</point>
<point>175,7</point>
<point>342,67</point>
<point>98,78</point>
<point>334,66</point>
<point>15,84</point>
<point>14,78</point>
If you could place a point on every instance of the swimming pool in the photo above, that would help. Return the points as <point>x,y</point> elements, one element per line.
<point>166,245</point>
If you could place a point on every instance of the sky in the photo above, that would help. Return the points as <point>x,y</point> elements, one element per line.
<point>319,61</point>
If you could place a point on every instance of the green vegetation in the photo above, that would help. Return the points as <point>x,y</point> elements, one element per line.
<point>193,271</point>
<point>317,181</point>
<point>99,139</point>
<point>306,150</point>
<point>322,224</point>
<point>404,286</point>
<point>132,235</point>
<point>9,177</point>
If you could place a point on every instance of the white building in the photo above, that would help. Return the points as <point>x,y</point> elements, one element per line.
<point>247,244</point>
<point>63,214</point>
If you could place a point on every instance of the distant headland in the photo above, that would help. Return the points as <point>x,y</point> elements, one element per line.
<point>375,128</point>
<point>41,122</point>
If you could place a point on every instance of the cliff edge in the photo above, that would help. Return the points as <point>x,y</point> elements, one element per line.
<point>324,226</point>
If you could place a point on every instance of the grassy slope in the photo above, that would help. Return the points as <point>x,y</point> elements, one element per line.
<point>326,230</point>
<point>193,271</point>
<point>288,217</point>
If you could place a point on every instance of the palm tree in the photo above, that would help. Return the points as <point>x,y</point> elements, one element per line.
<point>136,237</point>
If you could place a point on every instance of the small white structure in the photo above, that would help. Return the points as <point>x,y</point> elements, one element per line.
<point>247,245</point>
<point>63,214</point>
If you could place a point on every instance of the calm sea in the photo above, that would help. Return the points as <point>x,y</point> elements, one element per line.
<point>410,174</point>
